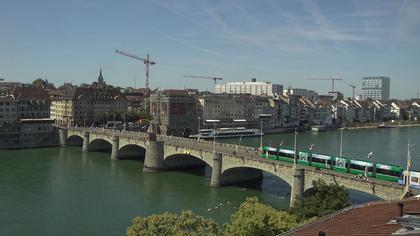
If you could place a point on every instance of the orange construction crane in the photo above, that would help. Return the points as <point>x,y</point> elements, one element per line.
<point>204,77</point>
<point>354,87</point>
<point>332,81</point>
<point>146,61</point>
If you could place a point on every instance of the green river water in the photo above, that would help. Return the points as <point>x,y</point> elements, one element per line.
<point>62,191</point>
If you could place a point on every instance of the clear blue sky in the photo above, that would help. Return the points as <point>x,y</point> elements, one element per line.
<point>282,41</point>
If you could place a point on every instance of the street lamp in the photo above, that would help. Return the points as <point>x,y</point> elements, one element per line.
<point>240,138</point>
<point>198,130</point>
<point>262,117</point>
<point>295,149</point>
<point>407,174</point>
<point>214,132</point>
<point>341,142</point>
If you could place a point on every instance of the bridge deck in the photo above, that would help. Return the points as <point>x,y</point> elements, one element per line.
<point>231,151</point>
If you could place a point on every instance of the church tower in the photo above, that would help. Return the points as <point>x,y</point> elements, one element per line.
<point>101,83</point>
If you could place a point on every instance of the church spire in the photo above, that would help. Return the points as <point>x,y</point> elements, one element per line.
<point>101,83</point>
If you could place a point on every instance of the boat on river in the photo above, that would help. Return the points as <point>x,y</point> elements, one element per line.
<point>385,126</point>
<point>227,133</point>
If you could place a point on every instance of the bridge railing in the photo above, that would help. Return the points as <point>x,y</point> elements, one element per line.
<point>241,152</point>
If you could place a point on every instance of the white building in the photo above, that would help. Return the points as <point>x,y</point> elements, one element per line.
<point>302,92</point>
<point>376,88</point>
<point>253,88</point>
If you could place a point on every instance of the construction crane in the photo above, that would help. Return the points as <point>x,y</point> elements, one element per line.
<point>215,79</point>
<point>146,61</point>
<point>332,81</point>
<point>354,87</point>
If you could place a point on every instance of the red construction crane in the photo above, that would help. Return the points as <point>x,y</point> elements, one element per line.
<point>146,61</point>
<point>354,87</point>
<point>332,81</point>
<point>204,77</point>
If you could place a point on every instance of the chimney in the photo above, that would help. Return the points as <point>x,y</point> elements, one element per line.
<point>253,80</point>
<point>321,233</point>
<point>400,208</point>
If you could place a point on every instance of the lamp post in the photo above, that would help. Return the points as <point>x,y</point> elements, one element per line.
<point>262,117</point>
<point>295,149</point>
<point>341,143</point>
<point>214,132</point>
<point>198,130</point>
<point>408,167</point>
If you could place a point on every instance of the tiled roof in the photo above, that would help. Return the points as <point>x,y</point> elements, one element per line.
<point>370,219</point>
<point>29,93</point>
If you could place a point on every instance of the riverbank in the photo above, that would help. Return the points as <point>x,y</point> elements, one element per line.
<point>375,126</point>
<point>285,130</point>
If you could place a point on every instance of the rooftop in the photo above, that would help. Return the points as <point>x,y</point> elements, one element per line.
<point>370,219</point>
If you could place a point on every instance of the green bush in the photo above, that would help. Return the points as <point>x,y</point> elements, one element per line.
<point>187,223</point>
<point>322,200</point>
<point>254,218</point>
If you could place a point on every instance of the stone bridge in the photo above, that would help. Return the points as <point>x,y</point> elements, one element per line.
<point>229,163</point>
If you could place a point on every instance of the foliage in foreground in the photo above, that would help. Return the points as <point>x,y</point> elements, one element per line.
<point>323,200</point>
<point>254,218</point>
<point>187,223</point>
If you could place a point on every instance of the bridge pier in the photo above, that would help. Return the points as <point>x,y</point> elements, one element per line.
<point>216,171</point>
<point>62,133</point>
<point>154,160</point>
<point>115,148</point>
<point>85,147</point>
<point>298,185</point>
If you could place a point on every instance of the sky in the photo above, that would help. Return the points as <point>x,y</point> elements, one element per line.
<point>280,41</point>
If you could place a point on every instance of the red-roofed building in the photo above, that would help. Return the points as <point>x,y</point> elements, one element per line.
<point>378,218</point>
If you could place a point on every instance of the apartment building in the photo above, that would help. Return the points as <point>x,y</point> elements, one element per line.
<point>175,111</point>
<point>252,88</point>
<point>86,106</point>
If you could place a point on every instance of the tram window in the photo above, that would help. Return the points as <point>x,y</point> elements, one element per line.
<point>287,155</point>
<point>322,161</point>
<point>415,179</point>
<point>358,167</point>
<point>389,172</point>
<point>340,163</point>
<point>303,157</point>
<point>273,153</point>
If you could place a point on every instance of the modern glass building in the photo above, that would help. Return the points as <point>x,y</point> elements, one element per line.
<point>376,87</point>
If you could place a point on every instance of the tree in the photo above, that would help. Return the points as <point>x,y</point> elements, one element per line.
<point>187,223</point>
<point>254,218</point>
<point>321,200</point>
<point>39,83</point>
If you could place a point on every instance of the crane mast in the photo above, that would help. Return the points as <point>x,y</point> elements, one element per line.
<point>147,62</point>
<point>353,87</point>
<point>331,79</point>
<point>204,77</point>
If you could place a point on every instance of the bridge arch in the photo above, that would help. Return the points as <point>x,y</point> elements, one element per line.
<point>282,172</point>
<point>100,144</point>
<point>130,151</point>
<point>124,142</point>
<point>248,172</point>
<point>180,157</point>
<point>75,140</point>
<point>356,195</point>
<point>184,160</point>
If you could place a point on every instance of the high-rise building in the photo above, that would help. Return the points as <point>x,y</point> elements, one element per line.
<point>376,87</point>
<point>253,88</point>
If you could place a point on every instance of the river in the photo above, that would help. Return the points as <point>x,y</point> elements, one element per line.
<point>62,191</point>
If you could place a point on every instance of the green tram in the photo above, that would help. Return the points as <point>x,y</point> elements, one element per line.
<point>340,164</point>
